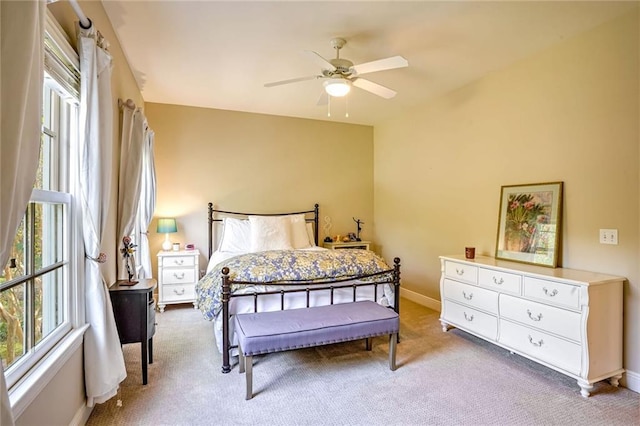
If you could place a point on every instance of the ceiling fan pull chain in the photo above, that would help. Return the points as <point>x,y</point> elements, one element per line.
<point>329,106</point>
<point>346,106</point>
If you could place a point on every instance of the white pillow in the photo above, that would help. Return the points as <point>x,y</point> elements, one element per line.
<point>299,236</point>
<point>270,233</point>
<point>236,236</point>
<point>312,237</point>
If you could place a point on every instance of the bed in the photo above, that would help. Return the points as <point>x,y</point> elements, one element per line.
<point>272,261</point>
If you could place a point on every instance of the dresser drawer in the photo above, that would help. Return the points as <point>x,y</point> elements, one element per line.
<point>544,317</point>
<point>545,347</point>
<point>552,292</point>
<point>500,281</point>
<point>471,319</point>
<point>461,271</point>
<point>170,261</point>
<point>474,296</point>
<point>178,292</point>
<point>178,276</point>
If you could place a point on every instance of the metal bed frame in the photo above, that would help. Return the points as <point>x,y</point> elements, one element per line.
<point>390,276</point>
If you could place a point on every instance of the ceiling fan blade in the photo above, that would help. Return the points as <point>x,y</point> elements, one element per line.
<point>292,80</point>
<point>374,88</point>
<point>324,64</point>
<point>380,65</point>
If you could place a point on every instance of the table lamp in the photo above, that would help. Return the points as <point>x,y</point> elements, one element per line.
<point>167,226</point>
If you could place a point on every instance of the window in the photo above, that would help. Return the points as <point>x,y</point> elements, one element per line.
<point>37,302</point>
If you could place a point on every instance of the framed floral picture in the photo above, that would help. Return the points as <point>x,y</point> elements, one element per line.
<point>529,225</point>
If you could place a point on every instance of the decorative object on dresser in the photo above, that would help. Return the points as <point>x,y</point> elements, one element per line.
<point>336,245</point>
<point>566,319</point>
<point>178,272</point>
<point>134,310</point>
<point>166,226</point>
<point>529,224</point>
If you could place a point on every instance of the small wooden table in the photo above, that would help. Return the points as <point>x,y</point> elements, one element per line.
<point>134,309</point>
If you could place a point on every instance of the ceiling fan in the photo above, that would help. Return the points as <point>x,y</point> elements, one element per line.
<point>340,74</point>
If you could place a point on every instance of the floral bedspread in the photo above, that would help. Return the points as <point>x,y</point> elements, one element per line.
<point>283,266</point>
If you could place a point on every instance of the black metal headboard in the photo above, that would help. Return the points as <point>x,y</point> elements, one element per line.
<point>212,219</point>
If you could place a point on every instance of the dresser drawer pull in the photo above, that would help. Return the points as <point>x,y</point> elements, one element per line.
<point>178,262</point>
<point>179,292</point>
<point>536,344</point>
<point>468,317</point>
<point>534,318</point>
<point>179,277</point>
<point>550,293</point>
<point>498,282</point>
<point>460,271</point>
<point>469,297</point>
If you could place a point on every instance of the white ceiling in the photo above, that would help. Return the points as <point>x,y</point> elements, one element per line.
<point>217,54</point>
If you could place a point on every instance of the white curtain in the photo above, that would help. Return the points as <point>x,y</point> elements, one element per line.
<point>103,360</point>
<point>147,205</point>
<point>134,126</point>
<point>21,79</point>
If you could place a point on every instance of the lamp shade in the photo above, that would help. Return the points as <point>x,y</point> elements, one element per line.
<point>167,226</point>
<point>337,87</point>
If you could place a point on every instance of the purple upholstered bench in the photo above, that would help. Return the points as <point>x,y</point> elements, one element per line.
<point>266,332</point>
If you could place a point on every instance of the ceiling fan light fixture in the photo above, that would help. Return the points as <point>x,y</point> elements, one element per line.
<point>337,87</point>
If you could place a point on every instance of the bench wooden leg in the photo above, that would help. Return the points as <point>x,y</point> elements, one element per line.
<point>249,369</point>
<point>367,343</point>
<point>392,351</point>
<point>241,361</point>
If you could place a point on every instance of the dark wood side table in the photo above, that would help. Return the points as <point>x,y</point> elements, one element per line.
<point>134,309</point>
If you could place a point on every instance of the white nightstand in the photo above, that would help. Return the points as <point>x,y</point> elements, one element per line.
<point>364,245</point>
<point>178,273</point>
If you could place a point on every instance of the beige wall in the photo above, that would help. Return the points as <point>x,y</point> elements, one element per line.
<point>568,114</point>
<point>257,163</point>
<point>63,398</point>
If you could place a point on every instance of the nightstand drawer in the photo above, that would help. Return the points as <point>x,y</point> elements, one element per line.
<point>178,292</point>
<point>170,261</point>
<point>178,276</point>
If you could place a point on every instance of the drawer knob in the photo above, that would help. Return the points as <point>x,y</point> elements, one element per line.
<point>550,293</point>
<point>468,317</point>
<point>536,344</point>
<point>179,292</point>
<point>533,317</point>
<point>498,282</point>
<point>178,261</point>
<point>179,277</point>
<point>460,271</point>
<point>469,297</point>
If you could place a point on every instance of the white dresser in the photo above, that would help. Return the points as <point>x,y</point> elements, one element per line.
<point>565,319</point>
<point>178,273</point>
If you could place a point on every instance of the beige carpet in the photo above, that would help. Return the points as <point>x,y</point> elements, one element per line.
<point>442,378</point>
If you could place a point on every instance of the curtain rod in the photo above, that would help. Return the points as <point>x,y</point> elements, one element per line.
<point>84,21</point>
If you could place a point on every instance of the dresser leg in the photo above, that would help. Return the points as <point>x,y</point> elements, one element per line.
<point>161,308</point>
<point>615,380</point>
<point>445,326</point>
<point>585,388</point>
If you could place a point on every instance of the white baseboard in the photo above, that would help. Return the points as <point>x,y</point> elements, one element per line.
<point>82,415</point>
<point>421,299</point>
<point>631,380</point>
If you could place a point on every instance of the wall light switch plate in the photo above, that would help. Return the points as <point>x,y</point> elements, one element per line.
<point>609,236</point>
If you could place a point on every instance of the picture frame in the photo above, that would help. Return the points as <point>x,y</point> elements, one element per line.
<point>530,223</point>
